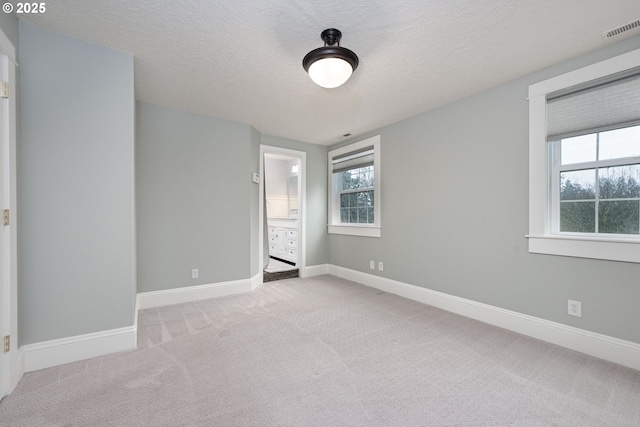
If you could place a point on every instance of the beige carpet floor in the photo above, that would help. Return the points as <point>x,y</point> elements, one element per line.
<point>326,352</point>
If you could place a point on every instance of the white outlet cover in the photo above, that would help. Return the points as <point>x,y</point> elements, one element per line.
<point>574,308</point>
<point>372,265</point>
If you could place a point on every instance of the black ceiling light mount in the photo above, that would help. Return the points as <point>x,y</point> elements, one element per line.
<point>331,65</point>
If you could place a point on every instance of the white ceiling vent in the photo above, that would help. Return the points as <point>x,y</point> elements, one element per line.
<point>633,26</point>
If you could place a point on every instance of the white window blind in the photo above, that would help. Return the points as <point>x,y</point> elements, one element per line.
<point>352,160</point>
<point>598,107</point>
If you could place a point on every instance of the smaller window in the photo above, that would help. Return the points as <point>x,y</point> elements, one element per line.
<point>356,196</point>
<point>354,189</point>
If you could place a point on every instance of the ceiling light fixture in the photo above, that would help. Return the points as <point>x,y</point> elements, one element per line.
<point>331,65</point>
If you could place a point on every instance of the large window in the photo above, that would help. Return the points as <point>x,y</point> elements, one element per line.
<point>354,183</point>
<point>584,164</point>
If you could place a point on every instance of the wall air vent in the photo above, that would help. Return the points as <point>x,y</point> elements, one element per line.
<point>614,32</point>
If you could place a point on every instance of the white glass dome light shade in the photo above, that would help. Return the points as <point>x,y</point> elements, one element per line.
<point>331,65</point>
<point>330,72</point>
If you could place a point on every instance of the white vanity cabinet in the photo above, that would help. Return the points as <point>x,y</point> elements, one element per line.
<point>291,247</point>
<point>283,239</point>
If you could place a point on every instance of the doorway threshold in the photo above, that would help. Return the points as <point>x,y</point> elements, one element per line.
<point>280,275</point>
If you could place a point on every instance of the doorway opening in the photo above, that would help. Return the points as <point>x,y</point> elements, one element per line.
<point>282,213</point>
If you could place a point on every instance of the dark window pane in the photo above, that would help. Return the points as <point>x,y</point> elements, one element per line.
<point>578,185</point>
<point>362,215</point>
<point>353,200</point>
<point>620,217</point>
<point>370,199</point>
<point>362,199</point>
<point>344,215</point>
<point>346,180</point>
<point>366,179</point>
<point>344,200</point>
<point>620,182</point>
<point>357,206</point>
<point>355,179</point>
<point>578,217</point>
<point>353,215</point>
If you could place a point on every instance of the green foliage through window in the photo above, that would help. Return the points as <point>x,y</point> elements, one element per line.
<point>613,208</point>
<point>599,181</point>
<point>357,196</point>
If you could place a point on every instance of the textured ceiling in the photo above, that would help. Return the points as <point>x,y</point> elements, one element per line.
<point>241,60</point>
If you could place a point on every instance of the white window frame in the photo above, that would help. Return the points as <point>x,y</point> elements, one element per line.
<point>352,229</point>
<point>542,238</point>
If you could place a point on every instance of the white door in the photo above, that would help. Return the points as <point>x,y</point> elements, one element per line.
<point>4,261</point>
<point>5,234</point>
<point>10,372</point>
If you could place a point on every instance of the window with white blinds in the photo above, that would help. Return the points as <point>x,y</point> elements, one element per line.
<point>584,164</point>
<point>594,138</point>
<point>354,183</point>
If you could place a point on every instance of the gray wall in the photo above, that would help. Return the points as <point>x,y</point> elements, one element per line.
<point>9,25</point>
<point>194,198</point>
<point>276,177</point>
<point>76,185</point>
<point>196,204</point>
<point>455,213</point>
<point>317,238</point>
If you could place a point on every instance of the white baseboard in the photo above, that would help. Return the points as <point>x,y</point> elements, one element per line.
<point>136,309</point>
<point>36,356</point>
<point>314,270</point>
<point>200,292</point>
<point>615,350</point>
<point>193,293</point>
<point>256,281</point>
<point>46,354</point>
<point>66,350</point>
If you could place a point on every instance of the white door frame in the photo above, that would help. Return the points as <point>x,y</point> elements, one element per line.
<point>11,368</point>
<point>302,214</point>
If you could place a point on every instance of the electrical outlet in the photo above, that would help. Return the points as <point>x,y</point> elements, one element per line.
<point>380,266</point>
<point>194,273</point>
<point>372,264</point>
<point>575,308</point>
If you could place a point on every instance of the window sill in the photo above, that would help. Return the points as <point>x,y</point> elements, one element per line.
<point>612,249</point>
<point>355,230</point>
